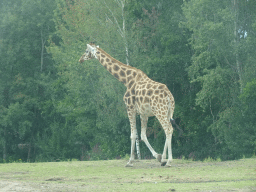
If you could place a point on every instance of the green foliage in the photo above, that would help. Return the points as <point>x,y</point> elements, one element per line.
<point>25,28</point>
<point>221,46</point>
<point>210,159</point>
<point>203,50</point>
<point>93,98</point>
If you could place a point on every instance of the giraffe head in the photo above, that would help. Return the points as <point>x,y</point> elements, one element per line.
<point>90,53</point>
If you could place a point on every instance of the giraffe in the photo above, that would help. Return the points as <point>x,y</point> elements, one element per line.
<point>143,96</point>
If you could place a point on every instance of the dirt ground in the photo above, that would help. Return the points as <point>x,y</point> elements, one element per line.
<point>11,186</point>
<point>16,186</point>
<point>10,182</point>
<point>8,186</point>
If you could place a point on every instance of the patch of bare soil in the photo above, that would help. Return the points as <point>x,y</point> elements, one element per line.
<point>8,186</point>
<point>10,182</point>
<point>153,163</point>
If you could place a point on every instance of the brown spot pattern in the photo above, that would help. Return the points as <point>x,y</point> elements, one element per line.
<point>138,77</point>
<point>130,84</point>
<point>123,81</point>
<point>129,78</point>
<point>128,72</point>
<point>149,92</point>
<point>122,74</point>
<point>116,75</point>
<point>127,94</point>
<point>133,99</point>
<point>133,91</point>
<point>148,86</point>
<point>116,67</point>
<point>146,100</point>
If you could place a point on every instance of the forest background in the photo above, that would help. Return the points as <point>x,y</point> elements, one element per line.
<point>54,108</point>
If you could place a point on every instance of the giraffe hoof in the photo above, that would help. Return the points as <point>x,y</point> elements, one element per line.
<point>159,157</point>
<point>168,165</point>
<point>129,165</point>
<point>163,163</point>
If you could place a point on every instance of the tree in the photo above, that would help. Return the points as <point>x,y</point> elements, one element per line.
<point>161,50</point>
<point>24,66</point>
<point>93,97</point>
<point>220,37</point>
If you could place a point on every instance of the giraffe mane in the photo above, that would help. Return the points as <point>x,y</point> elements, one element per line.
<point>119,62</point>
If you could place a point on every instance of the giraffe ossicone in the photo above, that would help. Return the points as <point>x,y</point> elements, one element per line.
<point>143,96</point>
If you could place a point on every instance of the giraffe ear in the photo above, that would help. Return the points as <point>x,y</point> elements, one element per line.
<point>98,46</point>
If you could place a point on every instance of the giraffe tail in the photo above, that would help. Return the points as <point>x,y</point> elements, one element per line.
<point>170,115</point>
<point>177,126</point>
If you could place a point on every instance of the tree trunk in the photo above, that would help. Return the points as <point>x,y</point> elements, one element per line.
<point>42,51</point>
<point>4,145</point>
<point>236,42</point>
<point>29,149</point>
<point>122,29</point>
<point>124,35</point>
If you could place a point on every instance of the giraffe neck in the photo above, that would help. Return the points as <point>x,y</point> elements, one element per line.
<point>124,73</point>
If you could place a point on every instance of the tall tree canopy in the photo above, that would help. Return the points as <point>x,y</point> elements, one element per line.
<point>223,36</point>
<point>52,107</point>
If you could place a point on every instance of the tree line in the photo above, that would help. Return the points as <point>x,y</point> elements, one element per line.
<point>52,107</point>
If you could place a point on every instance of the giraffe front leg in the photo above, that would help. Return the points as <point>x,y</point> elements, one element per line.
<point>132,118</point>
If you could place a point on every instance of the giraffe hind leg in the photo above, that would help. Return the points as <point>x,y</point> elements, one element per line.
<point>167,147</point>
<point>168,133</point>
<point>163,159</point>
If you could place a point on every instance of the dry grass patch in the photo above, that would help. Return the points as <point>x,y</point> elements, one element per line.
<point>146,175</point>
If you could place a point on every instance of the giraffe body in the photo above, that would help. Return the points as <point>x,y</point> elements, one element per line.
<point>143,96</point>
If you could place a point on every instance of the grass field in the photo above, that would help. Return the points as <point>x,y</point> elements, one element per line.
<point>146,175</point>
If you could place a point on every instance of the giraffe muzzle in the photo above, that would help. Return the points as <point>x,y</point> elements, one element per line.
<point>81,60</point>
